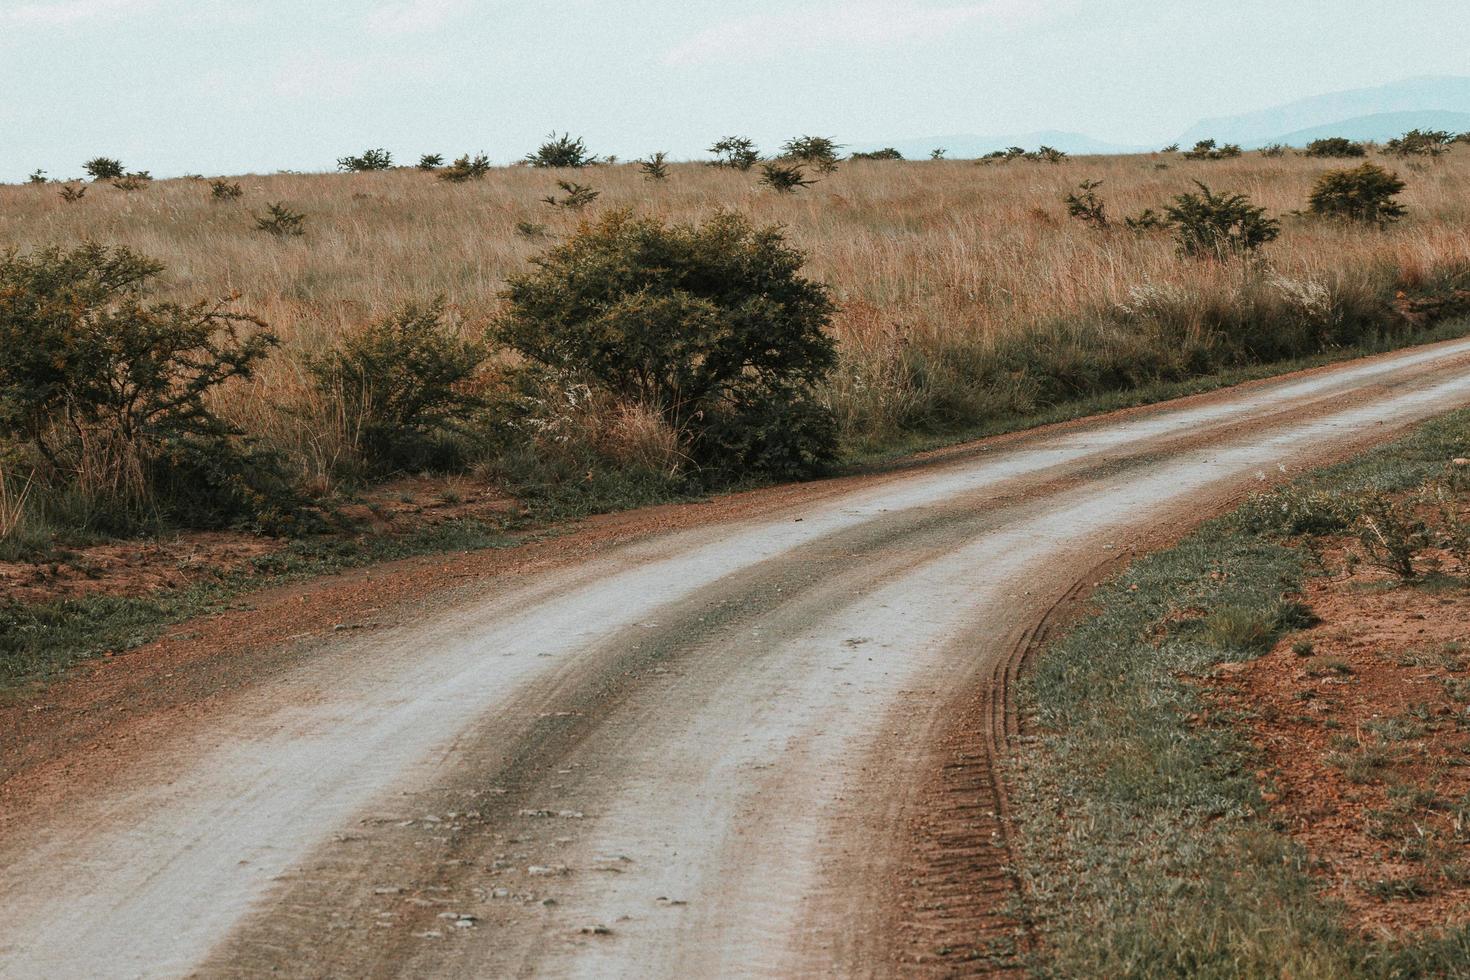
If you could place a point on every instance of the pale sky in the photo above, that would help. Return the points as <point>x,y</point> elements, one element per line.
<point>235,86</point>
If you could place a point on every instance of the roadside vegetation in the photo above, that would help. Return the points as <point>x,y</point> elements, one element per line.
<point>284,344</point>
<point>1249,763</point>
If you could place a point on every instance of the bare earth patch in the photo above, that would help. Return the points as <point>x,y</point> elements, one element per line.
<point>1365,722</point>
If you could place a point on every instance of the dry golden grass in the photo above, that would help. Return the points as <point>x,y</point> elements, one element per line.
<point>923,256</point>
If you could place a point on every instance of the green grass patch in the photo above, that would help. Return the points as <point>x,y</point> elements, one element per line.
<point>1146,849</point>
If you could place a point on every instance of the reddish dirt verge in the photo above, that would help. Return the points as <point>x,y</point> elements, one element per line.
<point>1364,721</point>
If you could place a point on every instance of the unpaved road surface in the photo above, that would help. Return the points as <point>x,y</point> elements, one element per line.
<point>762,745</point>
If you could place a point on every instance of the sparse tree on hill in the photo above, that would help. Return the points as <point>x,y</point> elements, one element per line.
<point>561,151</point>
<point>104,168</point>
<point>369,161</point>
<point>1335,147</point>
<point>1421,143</point>
<point>37,177</point>
<point>431,161</point>
<point>938,153</point>
<point>466,168</point>
<point>735,153</point>
<point>818,152</point>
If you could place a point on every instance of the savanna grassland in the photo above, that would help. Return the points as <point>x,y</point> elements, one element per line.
<point>965,297</point>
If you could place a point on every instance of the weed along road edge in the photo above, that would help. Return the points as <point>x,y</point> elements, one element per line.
<point>706,751</point>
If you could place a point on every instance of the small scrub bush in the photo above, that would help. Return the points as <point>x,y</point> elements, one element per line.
<point>431,161</point>
<point>1335,146</point>
<point>222,190</point>
<point>1047,154</point>
<point>561,151</point>
<point>281,221</point>
<point>1084,205</point>
<point>368,162</point>
<point>36,177</point>
<point>1210,150</point>
<point>655,168</point>
<point>104,168</point>
<point>711,328</point>
<point>1273,150</point>
<point>1146,220</point>
<point>887,153</point>
<point>134,181</point>
<point>1364,194</point>
<point>403,387</point>
<point>784,178</point>
<point>466,168</point>
<point>1218,226</point>
<point>1420,143</point>
<point>1391,534</point>
<point>938,153</point>
<point>576,197</point>
<point>531,229</point>
<point>71,193</point>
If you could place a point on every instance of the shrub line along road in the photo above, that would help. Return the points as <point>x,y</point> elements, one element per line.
<point>709,751</point>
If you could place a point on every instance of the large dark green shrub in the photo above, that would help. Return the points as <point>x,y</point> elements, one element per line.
<point>561,151</point>
<point>783,177</point>
<point>104,168</point>
<point>111,391</point>
<point>1217,226</point>
<point>1363,194</point>
<point>1210,150</point>
<point>711,326</point>
<point>405,387</point>
<point>887,153</point>
<point>1335,146</point>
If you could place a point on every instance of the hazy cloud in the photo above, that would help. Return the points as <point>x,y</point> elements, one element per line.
<point>867,23</point>
<point>57,13</point>
<point>414,16</point>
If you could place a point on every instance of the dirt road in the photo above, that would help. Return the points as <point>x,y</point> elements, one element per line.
<point>755,746</point>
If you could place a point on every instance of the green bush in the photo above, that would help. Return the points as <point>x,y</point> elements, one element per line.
<point>784,178</point>
<point>1084,205</point>
<point>281,221</point>
<point>1335,146</point>
<point>818,152</point>
<point>405,386</point>
<point>223,190</point>
<point>431,161</point>
<point>109,391</point>
<point>887,153</point>
<point>466,168</point>
<point>711,326</point>
<point>1217,226</point>
<point>369,161</point>
<point>104,168</point>
<point>735,152</point>
<point>561,151</point>
<point>1421,143</point>
<point>1364,193</point>
<point>1210,150</point>
<point>575,197</point>
<point>655,168</point>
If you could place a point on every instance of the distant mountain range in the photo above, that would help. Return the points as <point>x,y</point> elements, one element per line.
<point>1379,114</point>
<point>1373,113</point>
